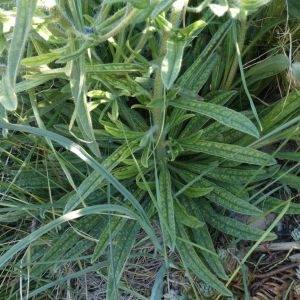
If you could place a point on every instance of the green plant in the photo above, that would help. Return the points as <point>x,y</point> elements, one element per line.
<point>128,116</point>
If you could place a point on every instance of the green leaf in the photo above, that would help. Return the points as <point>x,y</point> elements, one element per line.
<point>96,209</point>
<point>224,198</point>
<point>81,153</point>
<point>197,122</point>
<point>171,63</point>
<point>197,74</point>
<point>119,253</point>
<point>281,109</point>
<point>185,218</point>
<point>42,59</point>
<point>267,68</point>
<point>276,205</point>
<point>110,230</point>
<point>252,5</point>
<point>293,156</point>
<point>116,68</point>
<point>158,286</point>
<point>25,10</point>
<point>166,207</point>
<point>221,196</point>
<point>291,180</point>
<point>236,175</point>
<point>223,115</point>
<point>192,262</point>
<point>231,226</point>
<point>203,238</point>
<point>294,8</point>
<point>231,152</point>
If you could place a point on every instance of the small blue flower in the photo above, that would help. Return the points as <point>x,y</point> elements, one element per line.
<point>88,30</point>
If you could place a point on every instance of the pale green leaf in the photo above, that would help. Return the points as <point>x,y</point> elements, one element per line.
<point>233,227</point>
<point>25,10</point>
<point>223,115</point>
<point>193,262</point>
<point>171,63</point>
<point>166,207</point>
<point>231,152</point>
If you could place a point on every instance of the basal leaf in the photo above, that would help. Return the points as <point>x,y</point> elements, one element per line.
<point>223,115</point>
<point>192,262</point>
<point>166,207</point>
<point>231,152</point>
<point>231,226</point>
<point>185,218</point>
<point>203,238</point>
<point>276,205</point>
<point>119,253</point>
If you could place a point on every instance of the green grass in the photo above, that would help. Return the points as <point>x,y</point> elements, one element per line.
<point>132,133</point>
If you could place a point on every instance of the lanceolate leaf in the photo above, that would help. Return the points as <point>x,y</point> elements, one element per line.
<point>231,152</point>
<point>222,196</point>
<point>203,238</point>
<point>171,63</point>
<point>195,76</point>
<point>81,113</point>
<point>166,207</point>
<point>119,253</point>
<point>267,68</point>
<point>192,261</point>
<point>276,205</point>
<point>25,10</point>
<point>221,114</point>
<point>252,5</point>
<point>231,226</point>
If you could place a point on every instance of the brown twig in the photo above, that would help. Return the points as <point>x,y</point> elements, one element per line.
<point>277,271</point>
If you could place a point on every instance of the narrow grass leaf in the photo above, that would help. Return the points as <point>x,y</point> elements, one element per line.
<point>81,153</point>
<point>96,209</point>
<point>63,279</point>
